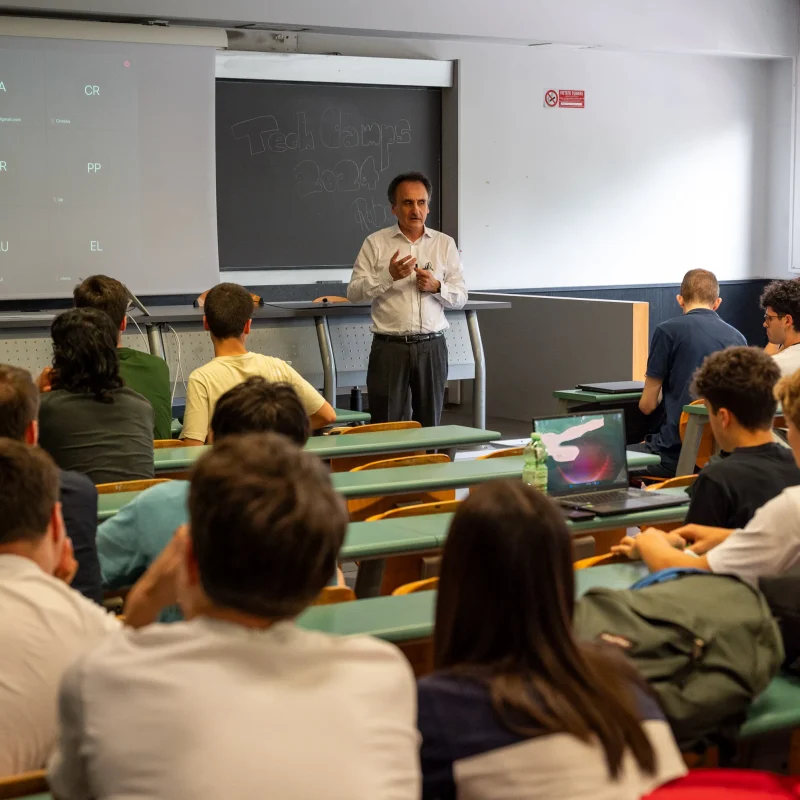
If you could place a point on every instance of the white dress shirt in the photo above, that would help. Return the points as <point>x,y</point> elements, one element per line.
<point>398,307</point>
<point>44,626</point>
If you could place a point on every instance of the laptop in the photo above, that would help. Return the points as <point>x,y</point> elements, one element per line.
<point>614,387</point>
<point>587,465</point>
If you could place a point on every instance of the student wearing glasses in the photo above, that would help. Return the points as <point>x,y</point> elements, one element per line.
<point>781,304</point>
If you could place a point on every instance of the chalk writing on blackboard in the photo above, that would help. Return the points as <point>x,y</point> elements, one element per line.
<point>264,134</point>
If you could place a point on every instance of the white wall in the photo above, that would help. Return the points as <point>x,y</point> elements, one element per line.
<point>735,27</point>
<point>674,163</point>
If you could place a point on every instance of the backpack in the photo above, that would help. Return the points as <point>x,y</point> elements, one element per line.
<point>782,593</point>
<point>707,645</point>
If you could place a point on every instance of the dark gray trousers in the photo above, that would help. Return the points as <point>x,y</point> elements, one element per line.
<point>397,367</point>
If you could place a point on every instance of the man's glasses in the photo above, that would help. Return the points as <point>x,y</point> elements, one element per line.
<point>768,317</point>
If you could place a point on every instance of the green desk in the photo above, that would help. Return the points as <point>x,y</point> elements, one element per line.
<point>343,417</point>
<point>408,617</point>
<point>569,398</point>
<point>445,437</point>
<point>436,477</point>
<point>400,480</point>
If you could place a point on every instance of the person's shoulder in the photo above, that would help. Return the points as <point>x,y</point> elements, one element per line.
<point>382,235</point>
<point>783,509</point>
<point>160,495</point>
<point>147,360</point>
<point>77,483</point>
<point>376,666</point>
<point>169,492</point>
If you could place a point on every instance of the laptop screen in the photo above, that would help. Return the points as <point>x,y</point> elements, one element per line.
<point>584,451</point>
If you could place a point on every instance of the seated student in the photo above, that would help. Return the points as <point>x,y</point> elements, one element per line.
<point>768,545</point>
<point>19,409</point>
<point>89,421</point>
<point>517,707</point>
<point>781,304</point>
<point>678,348</point>
<point>228,311</point>
<point>240,701</point>
<point>146,374</point>
<point>44,624</point>
<point>132,539</point>
<point>738,385</point>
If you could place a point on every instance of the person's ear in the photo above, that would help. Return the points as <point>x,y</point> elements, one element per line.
<point>124,326</point>
<point>788,322</point>
<point>56,529</point>
<point>247,327</point>
<point>205,324</point>
<point>31,437</point>
<point>717,304</point>
<point>724,417</point>
<point>679,298</point>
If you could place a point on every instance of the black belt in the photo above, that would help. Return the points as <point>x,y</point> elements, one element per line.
<point>410,339</point>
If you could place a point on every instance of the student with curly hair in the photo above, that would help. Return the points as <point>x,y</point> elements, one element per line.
<point>781,304</point>
<point>768,545</point>
<point>89,421</point>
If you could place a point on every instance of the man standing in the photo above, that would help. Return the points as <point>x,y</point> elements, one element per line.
<point>411,274</point>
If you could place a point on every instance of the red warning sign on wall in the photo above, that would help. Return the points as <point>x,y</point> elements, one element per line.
<point>571,98</point>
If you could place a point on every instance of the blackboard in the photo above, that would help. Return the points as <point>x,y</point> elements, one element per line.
<point>303,169</point>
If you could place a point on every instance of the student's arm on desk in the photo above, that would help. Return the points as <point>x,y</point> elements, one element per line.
<point>659,550</point>
<point>323,417</point>
<point>651,395</point>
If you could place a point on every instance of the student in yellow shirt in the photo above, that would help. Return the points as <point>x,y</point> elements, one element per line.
<point>228,316</point>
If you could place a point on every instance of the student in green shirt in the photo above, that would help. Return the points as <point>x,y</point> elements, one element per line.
<point>142,372</point>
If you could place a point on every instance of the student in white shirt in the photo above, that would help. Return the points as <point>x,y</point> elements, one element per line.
<point>768,545</point>
<point>781,304</point>
<point>228,315</point>
<point>240,701</point>
<point>44,624</point>
<point>410,273</point>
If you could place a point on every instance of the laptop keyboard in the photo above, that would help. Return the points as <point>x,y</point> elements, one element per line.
<point>597,497</point>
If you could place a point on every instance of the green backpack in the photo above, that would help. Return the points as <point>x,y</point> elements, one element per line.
<point>707,645</point>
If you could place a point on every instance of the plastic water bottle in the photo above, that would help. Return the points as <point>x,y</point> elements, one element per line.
<point>534,469</point>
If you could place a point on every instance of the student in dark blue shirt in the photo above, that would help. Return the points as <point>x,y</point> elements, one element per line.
<point>678,348</point>
<point>19,407</point>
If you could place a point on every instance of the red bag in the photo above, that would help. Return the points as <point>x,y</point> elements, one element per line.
<point>728,784</point>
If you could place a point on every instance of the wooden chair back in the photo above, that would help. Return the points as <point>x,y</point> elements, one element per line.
<point>418,510</point>
<point>429,584</point>
<point>348,463</point>
<point>506,453</point>
<point>129,486</point>
<point>363,508</point>
<point>160,444</point>
<point>331,298</point>
<point>706,449</point>
<point>674,483</point>
<point>599,561</point>
<point>24,784</point>
<point>334,594</point>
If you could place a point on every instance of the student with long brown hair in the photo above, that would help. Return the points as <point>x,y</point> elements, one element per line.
<point>517,707</point>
